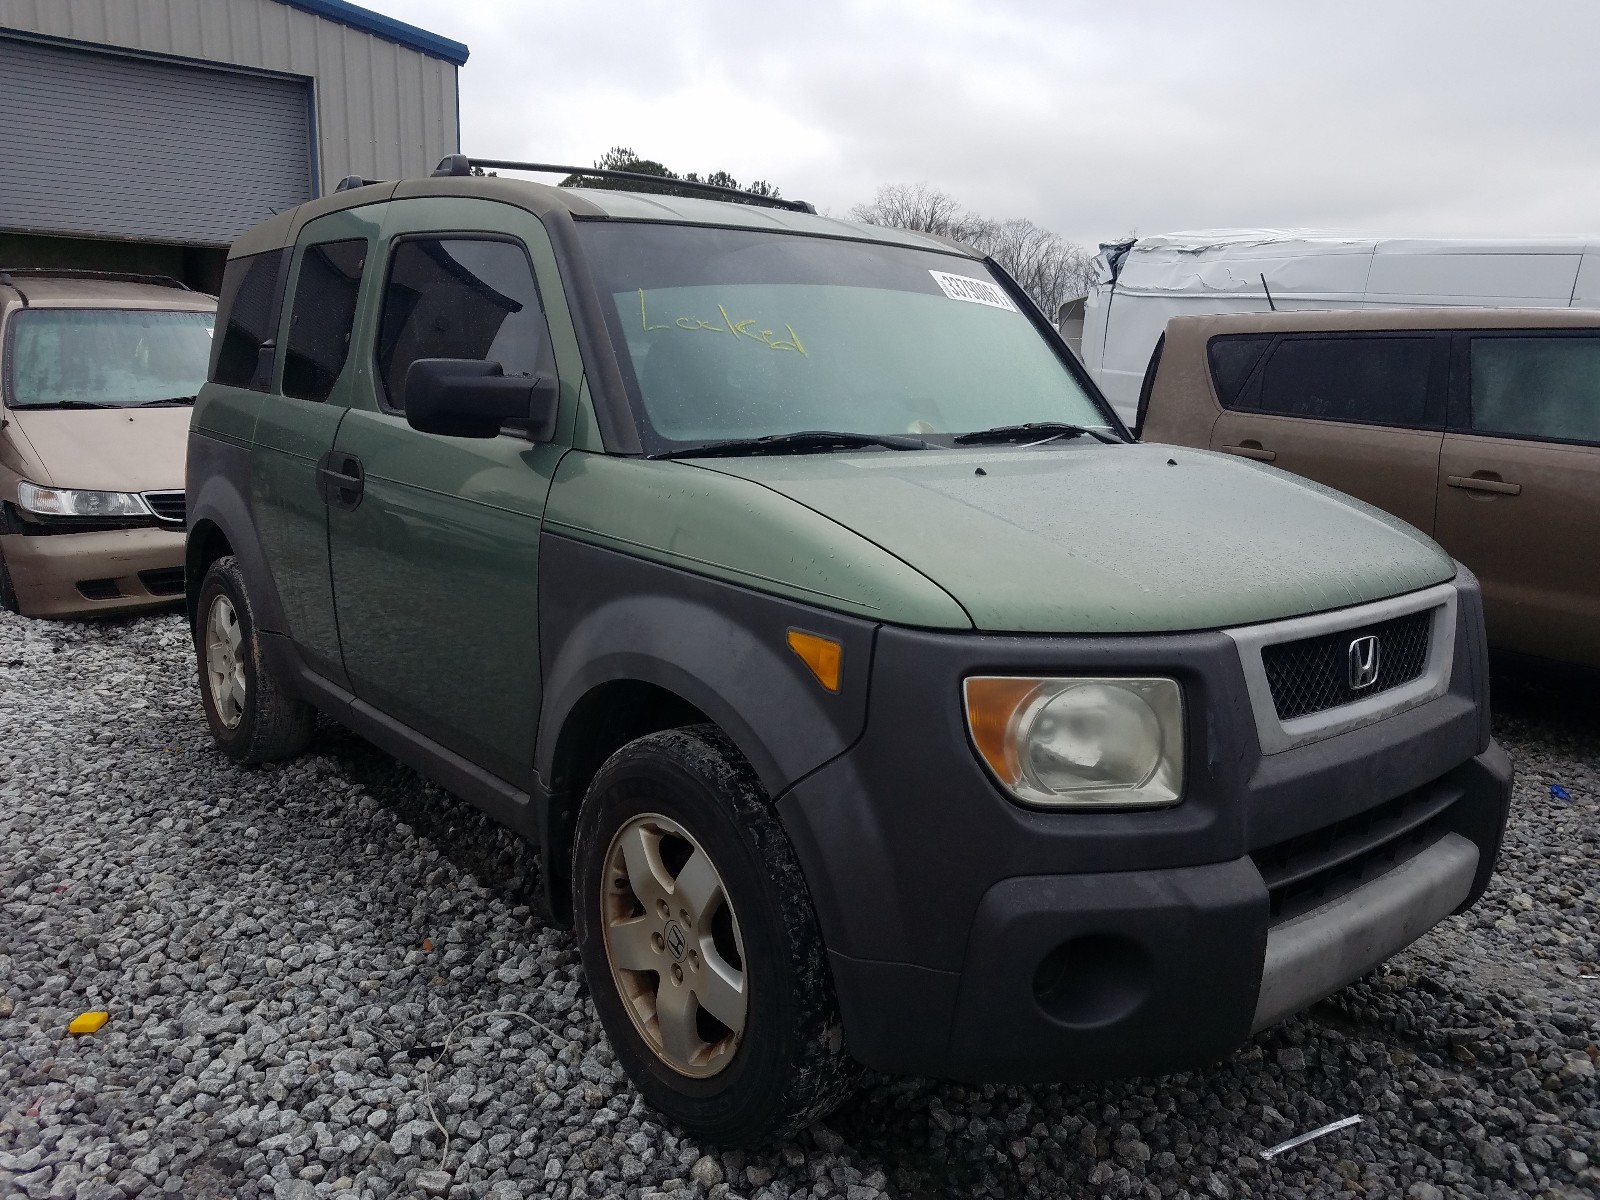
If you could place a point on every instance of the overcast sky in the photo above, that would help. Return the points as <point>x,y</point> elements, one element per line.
<point>1093,119</point>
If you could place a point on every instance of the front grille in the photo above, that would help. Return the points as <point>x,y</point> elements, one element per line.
<point>167,506</point>
<point>1313,674</point>
<point>166,581</point>
<point>1313,868</point>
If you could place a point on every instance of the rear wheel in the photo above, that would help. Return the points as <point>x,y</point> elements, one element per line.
<point>700,943</point>
<point>253,716</point>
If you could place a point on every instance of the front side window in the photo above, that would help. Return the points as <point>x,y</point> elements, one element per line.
<point>247,310</point>
<point>105,357</point>
<point>1537,387</point>
<point>1366,380</point>
<point>323,314</point>
<point>734,334</point>
<point>459,298</point>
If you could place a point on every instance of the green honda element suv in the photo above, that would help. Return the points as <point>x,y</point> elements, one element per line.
<point>870,696</point>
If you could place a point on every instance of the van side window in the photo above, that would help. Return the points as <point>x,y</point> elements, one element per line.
<point>1537,387</point>
<point>1367,380</point>
<point>320,322</point>
<point>247,317</point>
<point>1232,360</point>
<point>459,298</point>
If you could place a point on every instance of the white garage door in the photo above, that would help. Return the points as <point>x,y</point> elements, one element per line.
<point>109,145</point>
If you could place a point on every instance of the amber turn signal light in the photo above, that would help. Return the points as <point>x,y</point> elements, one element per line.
<point>823,655</point>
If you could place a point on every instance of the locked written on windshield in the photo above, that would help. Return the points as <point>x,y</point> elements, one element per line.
<point>745,334</point>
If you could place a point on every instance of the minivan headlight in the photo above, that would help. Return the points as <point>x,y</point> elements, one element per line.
<point>1080,743</point>
<point>66,502</point>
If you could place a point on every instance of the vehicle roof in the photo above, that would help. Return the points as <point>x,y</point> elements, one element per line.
<point>1330,319</point>
<point>65,291</point>
<point>589,203</point>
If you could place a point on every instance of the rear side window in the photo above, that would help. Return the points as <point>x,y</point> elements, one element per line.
<point>247,317</point>
<point>459,298</point>
<point>1232,360</point>
<point>320,322</point>
<point>1366,380</point>
<point>1537,387</point>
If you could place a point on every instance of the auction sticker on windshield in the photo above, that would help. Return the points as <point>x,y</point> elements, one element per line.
<point>974,291</point>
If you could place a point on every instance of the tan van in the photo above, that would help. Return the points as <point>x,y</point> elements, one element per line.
<point>98,374</point>
<point>1480,426</point>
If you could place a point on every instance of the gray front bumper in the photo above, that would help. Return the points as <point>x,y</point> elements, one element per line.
<point>1318,952</point>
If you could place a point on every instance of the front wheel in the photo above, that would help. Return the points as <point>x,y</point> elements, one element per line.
<point>253,715</point>
<point>701,945</point>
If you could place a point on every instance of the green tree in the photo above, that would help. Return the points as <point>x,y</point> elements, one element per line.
<point>622,158</point>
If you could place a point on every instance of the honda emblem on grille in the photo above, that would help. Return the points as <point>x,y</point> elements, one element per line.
<point>1363,662</point>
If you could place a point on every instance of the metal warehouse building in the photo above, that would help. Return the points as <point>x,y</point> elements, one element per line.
<point>144,135</point>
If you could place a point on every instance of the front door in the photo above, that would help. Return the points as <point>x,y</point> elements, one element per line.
<point>1362,413</point>
<point>1519,486</point>
<point>435,540</point>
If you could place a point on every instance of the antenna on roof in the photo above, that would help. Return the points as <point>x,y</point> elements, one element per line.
<point>1268,291</point>
<point>460,164</point>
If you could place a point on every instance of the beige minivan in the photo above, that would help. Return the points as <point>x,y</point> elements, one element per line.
<point>98,374</point>
<point>1480,426</point>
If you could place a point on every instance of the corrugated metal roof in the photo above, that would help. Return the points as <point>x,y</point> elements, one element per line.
<point>385,27</point>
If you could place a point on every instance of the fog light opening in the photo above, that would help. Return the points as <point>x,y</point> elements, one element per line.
<point>1093,980</point>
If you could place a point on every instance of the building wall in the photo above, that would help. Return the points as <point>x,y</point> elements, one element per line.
<point>382,110</point>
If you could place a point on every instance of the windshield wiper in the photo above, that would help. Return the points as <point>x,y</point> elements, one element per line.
<point>167,402</point>
<point>810,439</point>
<point>70,404</point>
<point>1047,430</point>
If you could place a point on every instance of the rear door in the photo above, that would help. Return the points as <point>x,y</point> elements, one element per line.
<point>1360,412</point>
<point>436,551</point>
<point>1519,486</point>
<point>298,417</point>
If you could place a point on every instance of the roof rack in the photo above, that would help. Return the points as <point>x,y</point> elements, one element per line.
<point>6,274</point>
<point>460,164</point>
<point>354,181</point>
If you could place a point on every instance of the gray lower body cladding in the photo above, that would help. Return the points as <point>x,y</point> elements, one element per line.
<point>974,939</point>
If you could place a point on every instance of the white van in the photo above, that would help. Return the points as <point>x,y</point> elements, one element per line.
<point>1144,282</point>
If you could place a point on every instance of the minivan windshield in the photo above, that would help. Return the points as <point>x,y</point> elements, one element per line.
<point>105,357</point>
<point>733,334</point>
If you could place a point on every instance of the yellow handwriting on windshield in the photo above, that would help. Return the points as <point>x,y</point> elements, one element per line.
<point>739,329</point>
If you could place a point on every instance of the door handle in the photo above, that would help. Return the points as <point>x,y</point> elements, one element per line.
<point>1474,483</point>
<point>340,480</point>
<point>1252,450</point>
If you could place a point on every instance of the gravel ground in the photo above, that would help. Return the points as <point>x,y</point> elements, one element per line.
<point>305,965</point>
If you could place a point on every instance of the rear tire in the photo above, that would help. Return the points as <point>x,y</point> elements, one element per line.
<point>763,1055</point>
<point>253,716</point>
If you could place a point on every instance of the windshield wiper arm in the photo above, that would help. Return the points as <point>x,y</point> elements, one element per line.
<point>168,401</point>
<point>1034,429</point>
<point>70,404</point>
<point>809,439</point>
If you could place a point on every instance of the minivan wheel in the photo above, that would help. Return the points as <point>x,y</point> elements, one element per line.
<point>253,717</point>
<point>700,943</point>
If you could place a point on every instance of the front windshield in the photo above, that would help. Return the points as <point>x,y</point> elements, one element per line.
<point>734,334</point>
<point>64,357</point>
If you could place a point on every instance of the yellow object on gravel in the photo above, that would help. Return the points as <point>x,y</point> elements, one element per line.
<point>89,1022</point>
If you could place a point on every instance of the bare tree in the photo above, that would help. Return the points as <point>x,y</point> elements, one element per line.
<point>1047,266</point>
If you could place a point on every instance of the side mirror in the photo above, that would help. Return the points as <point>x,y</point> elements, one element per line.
<point>465,397</point>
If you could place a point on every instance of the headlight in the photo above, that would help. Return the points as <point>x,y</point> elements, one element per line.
<point>1080,743</point>
<point>62,502</point>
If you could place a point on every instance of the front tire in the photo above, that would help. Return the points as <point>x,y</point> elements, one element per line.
<point>701,945</point>
<point>8,590</point>
<point>253,716</point>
